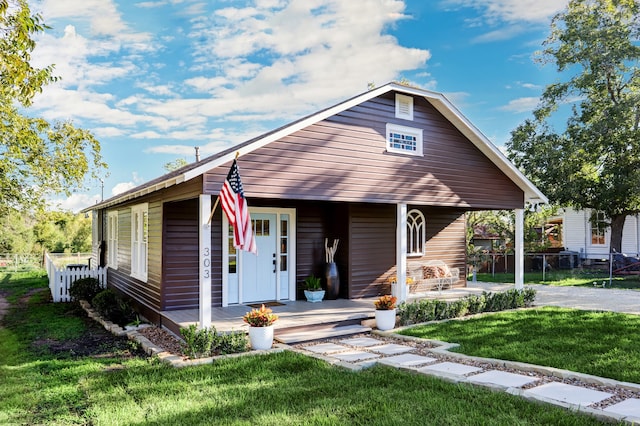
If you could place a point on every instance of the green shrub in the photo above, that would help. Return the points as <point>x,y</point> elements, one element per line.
<point>113,307</point>
<point>204,342</point>
<point>84,289</point>
<point>197,342</point>
<point>477,303</point>
<point>232,342</point>
<point>433,310</point>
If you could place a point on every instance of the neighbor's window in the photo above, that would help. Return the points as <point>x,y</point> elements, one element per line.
<point>139,240</point>
<point>404,140</point>
<point>112,240</point>
<point>599,226</point>
<point>415,233</point>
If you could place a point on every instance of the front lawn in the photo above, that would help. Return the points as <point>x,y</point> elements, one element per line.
<point>48,378</point>
<point>601,343</point>
<point>565,278</point>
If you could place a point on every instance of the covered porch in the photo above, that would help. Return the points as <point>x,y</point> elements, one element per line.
<point>302,314</point>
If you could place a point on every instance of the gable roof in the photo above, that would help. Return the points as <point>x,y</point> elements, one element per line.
<point>438,100</point>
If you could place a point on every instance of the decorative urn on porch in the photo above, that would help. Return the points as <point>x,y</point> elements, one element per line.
<point>331,270</point>
<point>260,327</point>
<point>385,312</point>
<point>313,289</point>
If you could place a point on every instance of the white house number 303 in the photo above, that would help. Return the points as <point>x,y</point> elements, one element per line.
<point>206,262</point>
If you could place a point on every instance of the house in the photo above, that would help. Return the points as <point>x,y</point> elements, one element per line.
<point>587,233</point>
<point>390,173</point>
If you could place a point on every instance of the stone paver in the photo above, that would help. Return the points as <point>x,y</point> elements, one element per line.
<point>355,356</point>
<point>326,348</point>
<point>390,349</point>
<point>502,378</point>
<point>450,368</point>
<point>568,393</point>
<point>407,360</point>
<point>361,341</point>
<point>628,407</point>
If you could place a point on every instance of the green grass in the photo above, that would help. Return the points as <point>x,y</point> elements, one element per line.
<point>282,388</point>
<point>565,278</point>
<point>600,343</point>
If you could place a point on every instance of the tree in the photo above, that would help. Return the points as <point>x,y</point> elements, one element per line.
<point>36,157</point>
<point>502,223</point>
<point>594,163</point>
<point>175,165</point>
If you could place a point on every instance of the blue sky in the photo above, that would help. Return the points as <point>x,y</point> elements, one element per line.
<point>152,79</point>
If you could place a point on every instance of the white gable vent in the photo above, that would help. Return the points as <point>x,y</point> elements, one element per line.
<point>404,107</point>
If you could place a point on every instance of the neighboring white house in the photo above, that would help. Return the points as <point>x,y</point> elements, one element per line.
<point>586,232</point>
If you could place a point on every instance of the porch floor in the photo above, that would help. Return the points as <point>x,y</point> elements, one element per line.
<point>300,313</point>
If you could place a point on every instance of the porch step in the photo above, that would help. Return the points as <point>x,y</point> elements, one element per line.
<point>325,331</point>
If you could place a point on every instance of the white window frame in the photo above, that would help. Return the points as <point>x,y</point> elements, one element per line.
<point>139,241</point>
<point>416,233</point>
<point>404,107</point>
<point>112,240</point>
<point>597,222</point>
<point>411,131</point>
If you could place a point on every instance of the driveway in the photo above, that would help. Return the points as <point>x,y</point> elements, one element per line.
<point>588,298</point>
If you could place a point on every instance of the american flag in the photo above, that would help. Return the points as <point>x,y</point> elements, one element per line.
<point>235,207</point>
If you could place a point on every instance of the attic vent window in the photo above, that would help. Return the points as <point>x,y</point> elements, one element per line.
<point>404,140</point>
<point>404,107</point>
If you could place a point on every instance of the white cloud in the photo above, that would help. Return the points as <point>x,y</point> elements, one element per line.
<point>537,11</point>
<point>505,33</point>
<point>108,132</point>
<point>121,187</point>
<point>520,105</point>
<point>269,63</point>
<point>75,202</point>
<point>102,15</point>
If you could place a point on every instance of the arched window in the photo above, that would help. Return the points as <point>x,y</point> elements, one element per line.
<point>416,229</point>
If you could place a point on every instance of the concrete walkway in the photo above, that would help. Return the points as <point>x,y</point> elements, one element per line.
<point>607,399</point>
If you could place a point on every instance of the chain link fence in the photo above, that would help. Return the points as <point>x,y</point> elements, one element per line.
<point>15,262</point>
<point>554,266</point>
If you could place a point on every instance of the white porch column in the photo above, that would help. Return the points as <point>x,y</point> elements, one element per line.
<point>204,304</point>
<point>401,252</point>
<point>519,249</point>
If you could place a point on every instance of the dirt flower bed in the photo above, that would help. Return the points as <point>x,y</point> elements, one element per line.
<point>163,339</point>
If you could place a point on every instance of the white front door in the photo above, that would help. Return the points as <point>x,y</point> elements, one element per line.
<point>269,275</point>
<point>259,272</point>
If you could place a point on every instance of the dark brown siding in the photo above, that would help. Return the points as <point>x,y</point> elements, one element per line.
<point>446,238</point>
<point>180,267</point>
<point>343,158</point>
<point>148,293</point>
<point>373,249</point>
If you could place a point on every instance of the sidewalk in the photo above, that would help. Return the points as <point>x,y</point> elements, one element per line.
<point>604,398</point>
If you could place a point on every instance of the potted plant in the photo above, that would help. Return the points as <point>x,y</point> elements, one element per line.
<point>385,312</point>
<point>260,327</point>
<point>313,290</point>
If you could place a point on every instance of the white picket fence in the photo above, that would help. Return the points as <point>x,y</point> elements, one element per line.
<point>61,278</point>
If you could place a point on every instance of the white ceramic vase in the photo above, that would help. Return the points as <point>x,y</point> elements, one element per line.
<point>385,319</point>
<point>261,338</point>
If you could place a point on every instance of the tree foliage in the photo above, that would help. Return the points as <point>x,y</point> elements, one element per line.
<point>175,164</point>
<point>594,162</point>
<point>502,224</point>
<point>37,158</point>
<point>53,231</point>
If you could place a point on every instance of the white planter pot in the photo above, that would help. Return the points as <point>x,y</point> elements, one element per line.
<point>314,296</point>
<point>385,320</point>
<point>261,338</point>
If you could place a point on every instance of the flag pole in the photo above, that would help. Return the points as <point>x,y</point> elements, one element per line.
<point>215,205</point>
